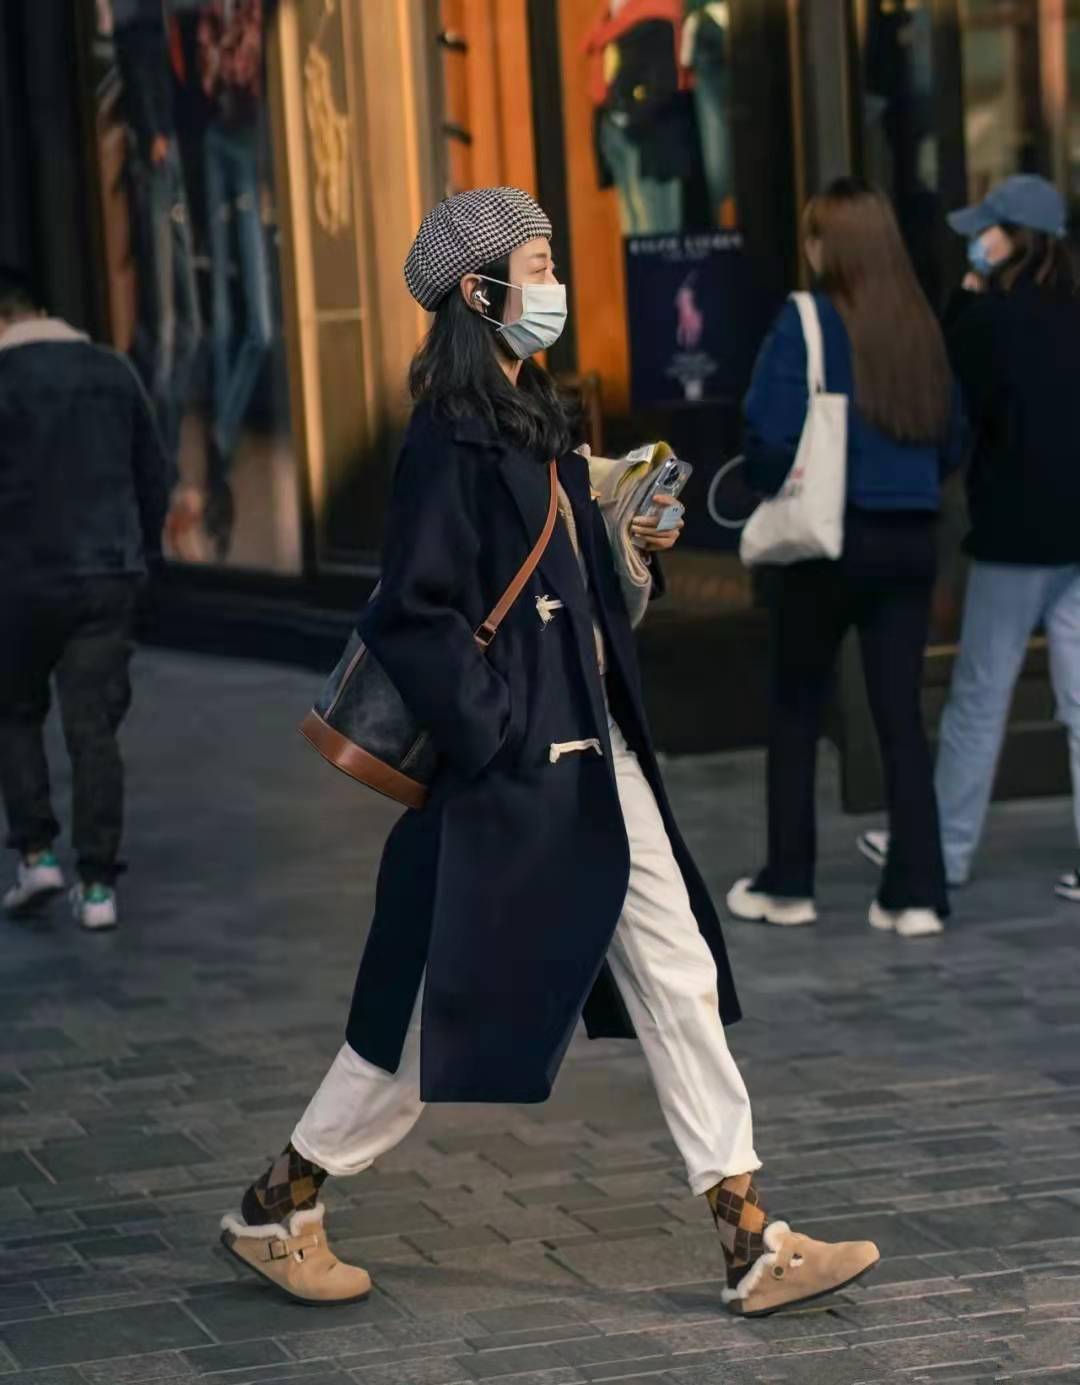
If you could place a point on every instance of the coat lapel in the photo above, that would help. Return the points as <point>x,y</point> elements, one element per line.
<point>558,572</point>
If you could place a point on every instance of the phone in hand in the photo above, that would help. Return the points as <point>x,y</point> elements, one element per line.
<point>672,480</point>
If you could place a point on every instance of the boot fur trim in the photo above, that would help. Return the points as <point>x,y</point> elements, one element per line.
<point>773,1236</point>
<point>279,1231</point>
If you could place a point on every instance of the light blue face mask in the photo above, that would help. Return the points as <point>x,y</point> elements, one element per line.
<point>979,260</point>
<point>543,317</point>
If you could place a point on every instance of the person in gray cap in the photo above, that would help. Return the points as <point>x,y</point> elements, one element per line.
<point>1013,332</point>
<point>544,878</point>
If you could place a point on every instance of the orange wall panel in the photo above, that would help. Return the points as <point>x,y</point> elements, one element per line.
<point>596,272</point>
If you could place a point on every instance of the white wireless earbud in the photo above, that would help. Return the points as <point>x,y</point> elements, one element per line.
<point>480,299</point>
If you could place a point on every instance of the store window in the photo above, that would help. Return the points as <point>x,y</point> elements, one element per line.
<point>676,140</point>
<point>191,235</point>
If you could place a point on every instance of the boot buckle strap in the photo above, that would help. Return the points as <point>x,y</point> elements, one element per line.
<point>281,1250</point>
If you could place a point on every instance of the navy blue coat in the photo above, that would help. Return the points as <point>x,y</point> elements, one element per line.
<point>507,886</point>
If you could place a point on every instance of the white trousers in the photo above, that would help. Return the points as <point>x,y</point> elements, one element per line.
<point>667,979</point>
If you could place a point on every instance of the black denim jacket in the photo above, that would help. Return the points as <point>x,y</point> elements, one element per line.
<point>84,481</point>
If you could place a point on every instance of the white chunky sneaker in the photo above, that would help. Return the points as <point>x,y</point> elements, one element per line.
<point>746,903</point>
<point>907,923</point>
<point>36,881</point>
<point>94,907</point>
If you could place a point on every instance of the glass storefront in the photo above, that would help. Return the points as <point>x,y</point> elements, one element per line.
<point>260,166</point>
<point>191,231</point>
<point>257,178</point>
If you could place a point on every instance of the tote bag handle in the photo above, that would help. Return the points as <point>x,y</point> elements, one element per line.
<point>815,345</point>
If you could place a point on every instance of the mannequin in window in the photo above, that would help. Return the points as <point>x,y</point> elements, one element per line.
<point>706,51</point>
<point>643,117</point>
<point>169,324</point>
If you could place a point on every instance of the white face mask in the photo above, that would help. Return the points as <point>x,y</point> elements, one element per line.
<point>543,317</point>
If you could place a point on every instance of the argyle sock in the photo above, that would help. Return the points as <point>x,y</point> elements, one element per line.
<point>741,1221</point>
<point>291,1184</point>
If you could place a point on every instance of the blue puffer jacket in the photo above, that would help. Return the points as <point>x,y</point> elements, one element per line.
<point>883,474</point>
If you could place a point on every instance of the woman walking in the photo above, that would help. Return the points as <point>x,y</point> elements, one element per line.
<point>545,877</point>
<point>885,352</point>
<point>1014,336</point>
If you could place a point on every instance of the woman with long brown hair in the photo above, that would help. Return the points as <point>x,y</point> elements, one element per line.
<point>884,350</point>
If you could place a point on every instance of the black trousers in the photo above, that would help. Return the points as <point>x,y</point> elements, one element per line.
<point>79,630</point>
<point>882,587</point>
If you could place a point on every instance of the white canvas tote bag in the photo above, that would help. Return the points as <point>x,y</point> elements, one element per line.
<point>806,519</point>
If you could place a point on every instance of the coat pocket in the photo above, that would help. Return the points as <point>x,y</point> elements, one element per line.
<point>560,748</point>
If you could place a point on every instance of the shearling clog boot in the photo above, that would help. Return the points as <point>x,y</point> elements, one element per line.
<point>795,1269</point>
<point>295,1256</point>
<point>769,1266</point>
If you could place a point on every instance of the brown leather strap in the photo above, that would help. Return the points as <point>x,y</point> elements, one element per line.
<point>281,1250</point>
<point>485,632</point>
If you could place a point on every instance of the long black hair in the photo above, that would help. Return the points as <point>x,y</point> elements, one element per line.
<point>1048,262</point>
<point>456,371</point>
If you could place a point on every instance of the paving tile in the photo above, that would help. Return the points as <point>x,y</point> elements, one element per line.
<point>120,1247</point>
<point>624,1218</point>
<point>94,1336</point>
<point>517,1365</point>
<point>238,1356</point>
<point>17,1168</point>
<point>156,1366</point>
<point>95,1158</point>
<point>443,1371</point>
<point>19,1040</point>
<point>246,1310</point>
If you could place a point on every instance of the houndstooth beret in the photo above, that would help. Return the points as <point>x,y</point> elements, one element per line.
<point>466,232</point>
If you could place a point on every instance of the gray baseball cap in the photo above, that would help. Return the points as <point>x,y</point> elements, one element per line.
<point>1024,200</point>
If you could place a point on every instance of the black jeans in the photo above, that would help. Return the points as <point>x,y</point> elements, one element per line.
<point>882,586</point>
<point>79,629</point>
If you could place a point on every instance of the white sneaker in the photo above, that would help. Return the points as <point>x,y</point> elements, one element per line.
<point>908,923</point>
<point>94,906</point>
<point>756,907</point>
<point>874,846</point>
<point>1068,886</point>
<point>35,883</point>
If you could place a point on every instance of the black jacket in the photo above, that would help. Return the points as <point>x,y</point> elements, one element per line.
<point>84,481</point>
<point>1017,357</point>
<point>505,889</point>
<point>142,54</point>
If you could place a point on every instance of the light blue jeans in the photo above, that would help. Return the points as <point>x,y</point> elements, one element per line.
<point>1005,604</point>
<point>647,206</point>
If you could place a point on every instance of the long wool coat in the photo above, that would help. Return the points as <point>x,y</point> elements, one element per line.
<point>507,886</point>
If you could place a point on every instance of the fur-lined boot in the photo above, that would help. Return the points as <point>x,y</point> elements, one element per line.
<point>295,1256</point>
<point>770,1266</point>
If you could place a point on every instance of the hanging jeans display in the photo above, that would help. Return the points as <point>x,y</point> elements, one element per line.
<point>236,229</point>
<point>712,95</point>
<point>170,325</point>
<point>647,206</point>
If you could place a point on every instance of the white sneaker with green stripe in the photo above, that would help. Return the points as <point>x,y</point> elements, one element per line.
<point>94,906</point>
<point>37,879</point>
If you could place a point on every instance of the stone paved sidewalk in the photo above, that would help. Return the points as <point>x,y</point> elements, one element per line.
<point>926,1094</point>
